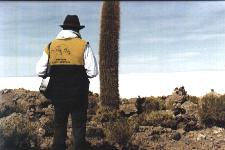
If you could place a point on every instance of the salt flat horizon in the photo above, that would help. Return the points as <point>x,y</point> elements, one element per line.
<point>196,83</point>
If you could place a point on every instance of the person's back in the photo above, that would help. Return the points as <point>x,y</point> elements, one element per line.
<point>71,62</point>
<point>68,75</point>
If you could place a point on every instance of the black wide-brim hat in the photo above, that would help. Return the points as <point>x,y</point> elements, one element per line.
<point>72,21</point>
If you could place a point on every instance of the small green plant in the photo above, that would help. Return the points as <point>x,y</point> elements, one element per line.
<point>211,109</point>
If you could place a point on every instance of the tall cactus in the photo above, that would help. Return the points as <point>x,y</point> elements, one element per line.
<point>109,54</point>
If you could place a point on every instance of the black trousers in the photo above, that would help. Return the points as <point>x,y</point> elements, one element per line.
<point>77,107</point>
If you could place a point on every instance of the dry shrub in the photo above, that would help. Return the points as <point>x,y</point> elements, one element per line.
<point>169,105</point>
<point>139,104</point>
<point>154,104</point>
<point>119,132</point>
<point>211,110</point>
<point>106,114</point>
<point>16,132</point>
<point>193,99</point>
<point>19,101</point>
<point>6,110</point>
<point>154,118</point>
<point>47,123</point>
<point>93,101</point>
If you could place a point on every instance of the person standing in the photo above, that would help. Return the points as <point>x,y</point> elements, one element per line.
<point>71,62</point>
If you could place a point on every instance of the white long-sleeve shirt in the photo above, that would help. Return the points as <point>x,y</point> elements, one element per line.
<point>90,63</point>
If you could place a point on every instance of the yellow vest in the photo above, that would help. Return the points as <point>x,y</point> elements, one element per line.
<point>67,51</point>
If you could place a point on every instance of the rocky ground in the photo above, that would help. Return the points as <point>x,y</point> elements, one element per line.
<point>170,123</point>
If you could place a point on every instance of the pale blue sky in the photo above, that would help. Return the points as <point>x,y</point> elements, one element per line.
<point>154,36</point>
